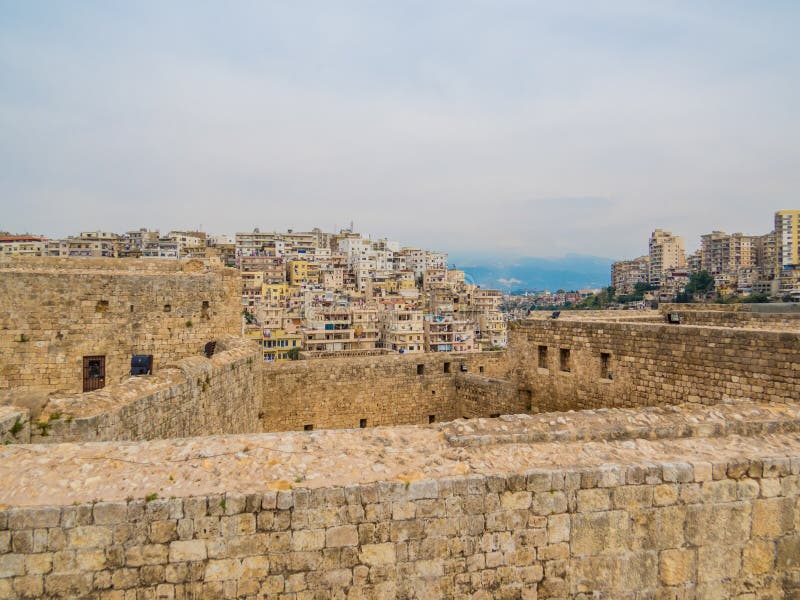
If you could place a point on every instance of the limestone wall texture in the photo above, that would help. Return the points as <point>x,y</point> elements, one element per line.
<point>194,396</point>
<point>701,314</point>
<point>650,364</point>
<point>234,392</point>
<point>658,530</point>
<point>380,390</point>
<point>480,396</point>
<point>53,312</point>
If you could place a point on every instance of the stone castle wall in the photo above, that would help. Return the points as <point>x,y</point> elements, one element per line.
<point>735,315</point>
<point>650,364</point>
<point>192,397</point>
<point>53,312</point>
<point>381,390</point>
<point>479,396</point>
<point>720,520</point>
<point>234,392</point>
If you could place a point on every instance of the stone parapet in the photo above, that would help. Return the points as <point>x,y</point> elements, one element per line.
<point>709,517</point>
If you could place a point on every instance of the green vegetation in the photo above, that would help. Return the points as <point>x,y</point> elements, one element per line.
<point>150,497</point>
<point>597,301</point>
<point>293,354</point>
<point>700,283</point>
<point>16,427</point>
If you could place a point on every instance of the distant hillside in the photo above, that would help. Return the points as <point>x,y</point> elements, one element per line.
<point>569,272</point>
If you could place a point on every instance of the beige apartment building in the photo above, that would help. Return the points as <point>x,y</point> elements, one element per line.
<point>666,253</point>
<point>625,274</point>
<point>401,330</point>
<point>727,254</point>
<point>766,255</point>
<point>329,329</point>
<point>97,244</point>
<point>23,245</point>
<point>445,333</point>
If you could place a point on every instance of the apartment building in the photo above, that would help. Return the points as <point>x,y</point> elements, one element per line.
<point>23,245</point>
<point>666,253</point>
<point>625,274</point>
<point>366,327</point>
<point>445,333</point>
<point>787,239</point>
<point>329,329</point>
<point>727,254</point>
<point>96,244</point>
<point>401,329</point>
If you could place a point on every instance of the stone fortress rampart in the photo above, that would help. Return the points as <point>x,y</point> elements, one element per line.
<point>55,311</point>
<point>645,459</point>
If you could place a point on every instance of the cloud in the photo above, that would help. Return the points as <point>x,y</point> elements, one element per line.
<point>508,127</point>
<point>510,281</point>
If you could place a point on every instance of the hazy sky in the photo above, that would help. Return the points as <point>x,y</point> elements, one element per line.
<point>507,126</point>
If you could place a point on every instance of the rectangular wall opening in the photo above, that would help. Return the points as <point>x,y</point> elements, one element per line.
<point>362,423</point>
<point>420,369</point>
<point>447,367</point>
<point>526,397</point>
<point>308,427</point>
<point>605,365</point>
<point>431,418</point>
<point>542,357</point>
<point>564,360</point>
<point>94,373</point>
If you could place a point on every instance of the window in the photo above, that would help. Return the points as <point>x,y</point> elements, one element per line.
<point>420,369</point>
<point>564,356</point>
<point>605,365</point>
<point>431,418</point>
<point>308,427</point>
<point>480,369</point>
<point>362,423</point>
<point>94,373</point>
<point>542,357</point>
<point>447,367</point>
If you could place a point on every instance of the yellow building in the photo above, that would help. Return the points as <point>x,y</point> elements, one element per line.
<point>787,239</point>
<point>276,294</point>
<point>302,272</point>
<point>276,344</point>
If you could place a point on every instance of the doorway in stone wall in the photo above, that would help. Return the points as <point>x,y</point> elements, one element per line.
<point>94,373</point>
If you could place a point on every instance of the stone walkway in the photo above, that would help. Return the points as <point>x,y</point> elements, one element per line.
<point>64,473</point>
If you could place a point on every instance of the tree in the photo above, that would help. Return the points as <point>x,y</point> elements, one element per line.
<point>700,284</point>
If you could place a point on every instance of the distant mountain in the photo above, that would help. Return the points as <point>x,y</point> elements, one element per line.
<point>570,272</point>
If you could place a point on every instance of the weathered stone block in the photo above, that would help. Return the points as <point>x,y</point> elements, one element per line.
<point>188,550</point>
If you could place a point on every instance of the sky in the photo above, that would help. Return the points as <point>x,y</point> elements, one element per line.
<point>503,127</point>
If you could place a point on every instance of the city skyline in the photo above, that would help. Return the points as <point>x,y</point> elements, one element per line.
<point>507,129</point>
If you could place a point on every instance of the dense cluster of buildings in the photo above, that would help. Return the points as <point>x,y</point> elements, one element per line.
<point>318,292</point>
<point>323,293</point>
<point>740,264</point>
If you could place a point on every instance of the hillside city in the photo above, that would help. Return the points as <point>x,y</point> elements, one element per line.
<point>726,268</point>
<point>317,292</point>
